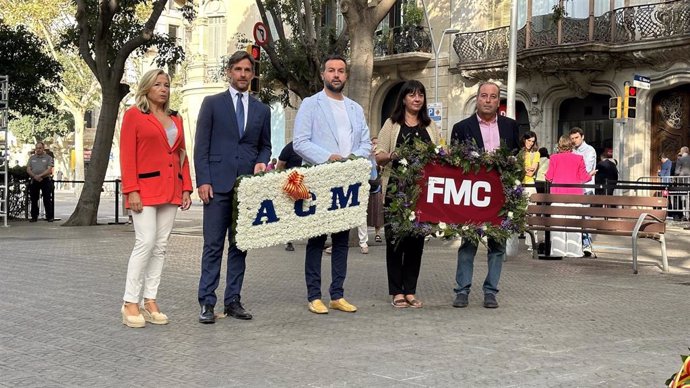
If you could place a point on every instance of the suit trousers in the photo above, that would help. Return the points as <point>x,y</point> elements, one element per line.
<point>466,253</point>
<point>43,189</point>
<point>312,265</point>
<point>152,227</point>
<point>217,223</point>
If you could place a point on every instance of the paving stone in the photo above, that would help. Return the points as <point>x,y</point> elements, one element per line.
<point>575,322</point>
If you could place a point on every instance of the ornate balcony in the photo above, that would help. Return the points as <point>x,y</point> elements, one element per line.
<point>651,34</point>
<point>404,44</point>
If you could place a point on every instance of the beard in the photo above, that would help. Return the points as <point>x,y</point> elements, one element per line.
<point>333,88</point>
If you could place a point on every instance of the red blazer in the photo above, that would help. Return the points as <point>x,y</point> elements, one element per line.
<point>569,168</point>
<point>148,163</point>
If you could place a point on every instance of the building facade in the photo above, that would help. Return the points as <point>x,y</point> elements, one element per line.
<point>573,55</point>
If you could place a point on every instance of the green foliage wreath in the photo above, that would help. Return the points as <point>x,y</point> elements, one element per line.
<point>404,191</point>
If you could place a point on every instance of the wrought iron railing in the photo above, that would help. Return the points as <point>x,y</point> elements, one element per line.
<point>402,39</point>
<point>621,26</point>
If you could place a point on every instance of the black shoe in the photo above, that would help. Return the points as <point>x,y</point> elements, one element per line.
<point>235,310</point>
<point>33,220</point>
<point>289,247</point>
<point>50,219</point>
<point>460,300</point>
<point>206,315</point>
<point>490,301</point>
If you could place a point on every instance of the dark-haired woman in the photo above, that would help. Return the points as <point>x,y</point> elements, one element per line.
<point>409,121</point>
<point>531,155</point>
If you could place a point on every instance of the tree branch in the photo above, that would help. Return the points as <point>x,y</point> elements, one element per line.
<point>137,41</point>
<point>84,33</point>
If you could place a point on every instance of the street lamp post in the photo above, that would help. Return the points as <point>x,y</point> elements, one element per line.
<point>437,52</point>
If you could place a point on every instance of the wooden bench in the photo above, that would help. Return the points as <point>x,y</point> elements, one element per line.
<point>620,216</point>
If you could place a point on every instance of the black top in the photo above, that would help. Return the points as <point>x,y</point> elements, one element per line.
<point>407,134</point>
<point>290,157</point>
<point>606,169</point>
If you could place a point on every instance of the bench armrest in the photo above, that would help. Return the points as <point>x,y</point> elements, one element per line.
<point>641,219</point>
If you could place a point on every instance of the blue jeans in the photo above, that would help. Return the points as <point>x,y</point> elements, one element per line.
<point>312,265</point>
<point>463,275</point>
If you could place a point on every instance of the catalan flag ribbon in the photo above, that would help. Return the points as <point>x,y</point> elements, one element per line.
<point>295,188</point>
<point>682,378</point>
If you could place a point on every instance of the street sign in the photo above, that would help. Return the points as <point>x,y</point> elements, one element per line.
<point>260,34</point>
<point>436,112</point>
<point>642,82</point>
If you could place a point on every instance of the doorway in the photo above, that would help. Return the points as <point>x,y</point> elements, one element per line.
<point>670,124</point>
<point>592,115</point>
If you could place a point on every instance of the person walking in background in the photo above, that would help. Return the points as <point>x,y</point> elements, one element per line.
<point>567,167</point>
<point>682,163</point>
<point>330,127</point>
<point>287,159</point>
<point>40,169</point>
<point>58,176</point>
<point>682,169</point>
<point>540,178</point>
<point>409,122</point>
<point>233,138</point>
<point>589,155</point>
<point>375,206</point>
<point>606,173</point>
<point>666,168</point>
<point>531,157</point>
<point>489,131</point>
<point>156,181</point>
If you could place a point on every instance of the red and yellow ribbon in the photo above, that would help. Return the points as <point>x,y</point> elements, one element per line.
<point>295,188</point>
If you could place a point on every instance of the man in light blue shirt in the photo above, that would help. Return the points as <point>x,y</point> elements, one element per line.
<point>330,127</point>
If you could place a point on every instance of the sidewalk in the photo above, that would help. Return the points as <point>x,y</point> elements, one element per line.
<point>575,322</point>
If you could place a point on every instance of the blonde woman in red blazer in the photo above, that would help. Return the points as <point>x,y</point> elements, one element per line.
<point>155,181</point>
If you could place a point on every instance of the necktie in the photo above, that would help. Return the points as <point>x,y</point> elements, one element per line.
<point>239,113</point>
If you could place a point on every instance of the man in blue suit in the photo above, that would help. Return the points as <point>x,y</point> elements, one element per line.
<point>233,138</point>
<point>489,131</point>
<point>330,127</point>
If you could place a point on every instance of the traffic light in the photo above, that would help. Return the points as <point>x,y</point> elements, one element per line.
<point>630,102</point>
<point>615,108</point>
<point>255,52</point>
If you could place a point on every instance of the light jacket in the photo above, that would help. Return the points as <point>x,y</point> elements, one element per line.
<point>149,165</point>
<point>316,137</point>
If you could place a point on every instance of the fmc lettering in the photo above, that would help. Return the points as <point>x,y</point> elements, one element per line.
<point>468,193</point>
<point>454,196</point>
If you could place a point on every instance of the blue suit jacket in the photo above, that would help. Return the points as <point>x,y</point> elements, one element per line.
<point>315,136</point>
<point>220,156</point>
<point>468,129</point>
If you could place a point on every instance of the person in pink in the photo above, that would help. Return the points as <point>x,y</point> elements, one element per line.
<point>567,167</point>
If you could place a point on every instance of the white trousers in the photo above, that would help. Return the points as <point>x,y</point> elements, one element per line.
<point>566,244</point>
<point>363,234</point>
<point>152,229</point>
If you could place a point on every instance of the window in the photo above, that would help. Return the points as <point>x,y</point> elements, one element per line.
<point>499,14</point>
<point>216,38</point>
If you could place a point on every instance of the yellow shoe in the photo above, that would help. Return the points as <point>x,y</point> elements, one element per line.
<point>342,305</point>
<point>316,306</point>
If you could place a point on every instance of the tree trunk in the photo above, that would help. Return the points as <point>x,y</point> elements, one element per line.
<point>361,66</point>
<point>86,212</point>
